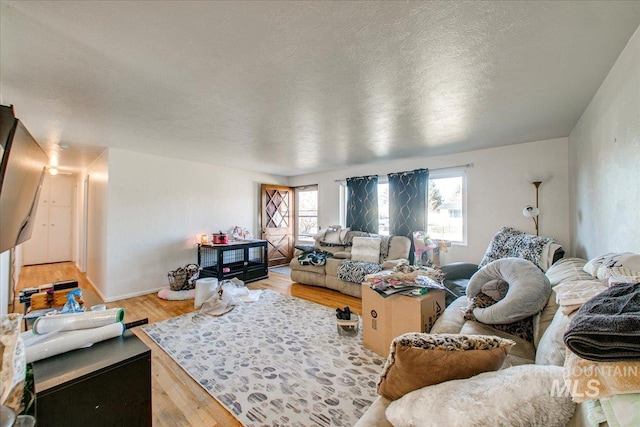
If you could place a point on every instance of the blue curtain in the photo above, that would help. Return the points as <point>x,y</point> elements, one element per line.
<point>408,203</point>
<point>362,203</point>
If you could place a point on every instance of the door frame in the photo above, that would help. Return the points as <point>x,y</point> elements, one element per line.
<point>292,216</point>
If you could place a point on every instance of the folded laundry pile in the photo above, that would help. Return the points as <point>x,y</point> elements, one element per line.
<point>602,366</point>
<point>607,327</point>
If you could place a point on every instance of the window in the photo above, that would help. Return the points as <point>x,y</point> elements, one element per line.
<point>306,213</point>
<point>383,208</point>
<point>446,217</point>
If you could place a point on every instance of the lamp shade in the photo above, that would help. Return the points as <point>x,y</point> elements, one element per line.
<point>530,212</point>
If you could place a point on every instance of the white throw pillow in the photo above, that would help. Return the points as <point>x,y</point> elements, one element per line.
<point>366,249</point>
<point>517,397</point>
<point>594,264</point>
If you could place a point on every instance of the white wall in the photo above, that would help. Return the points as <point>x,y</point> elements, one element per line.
<point>98,173</point>
<point>5,286</point>
<point>158,207</point>
<point>498,188</point>
<point>604,153</point>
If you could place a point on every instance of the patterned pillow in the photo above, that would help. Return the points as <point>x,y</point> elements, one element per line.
<point>354,271</point>
<point>418,360</point>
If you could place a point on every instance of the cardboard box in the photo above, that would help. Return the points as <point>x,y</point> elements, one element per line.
<point>383,319</point>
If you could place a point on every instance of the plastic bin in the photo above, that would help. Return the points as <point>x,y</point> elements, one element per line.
<point>348,328</point>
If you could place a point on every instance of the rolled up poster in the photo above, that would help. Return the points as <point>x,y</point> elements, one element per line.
<point>75,321</point>
<point>62,342</point>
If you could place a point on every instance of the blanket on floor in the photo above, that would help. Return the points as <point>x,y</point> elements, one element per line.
<point>606,328</point>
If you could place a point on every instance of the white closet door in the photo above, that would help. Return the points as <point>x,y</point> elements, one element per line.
<point>59,233</point>
<point>36,249</point>
<point>45,196</point>
<point>60,191</point>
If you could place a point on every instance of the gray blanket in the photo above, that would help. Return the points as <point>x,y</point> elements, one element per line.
<point>607,327</point>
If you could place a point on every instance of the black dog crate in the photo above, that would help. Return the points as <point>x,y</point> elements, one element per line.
<point>245,260</point>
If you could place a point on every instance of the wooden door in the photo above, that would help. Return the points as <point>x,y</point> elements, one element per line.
<point>276,222</point>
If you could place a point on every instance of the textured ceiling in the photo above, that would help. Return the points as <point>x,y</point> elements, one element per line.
<point>299,87</point>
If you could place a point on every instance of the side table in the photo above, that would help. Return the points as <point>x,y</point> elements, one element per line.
<point>107,384</point>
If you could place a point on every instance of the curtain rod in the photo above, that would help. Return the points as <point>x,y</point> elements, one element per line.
<point>466,165</point>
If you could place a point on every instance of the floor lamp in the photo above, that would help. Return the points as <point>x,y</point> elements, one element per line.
<point>533,211</point>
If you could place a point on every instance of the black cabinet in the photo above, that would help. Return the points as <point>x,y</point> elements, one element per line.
<point>246,260</point>
<point>107,384</point>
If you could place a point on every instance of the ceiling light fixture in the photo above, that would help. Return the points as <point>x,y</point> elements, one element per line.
<point>63,145</point>
<point>53,170</point>
<point>533,212</point>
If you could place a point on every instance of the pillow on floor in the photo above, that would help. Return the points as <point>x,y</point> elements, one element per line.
<point>519,396</point>
<point>418,360</point>
<point>168,294</point>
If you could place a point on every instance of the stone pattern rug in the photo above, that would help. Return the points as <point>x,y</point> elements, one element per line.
<point>275,362</point>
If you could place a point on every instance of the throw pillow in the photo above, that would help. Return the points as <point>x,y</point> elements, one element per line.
<point>518,396</point>
<point>622,264</point>
<point>593,265</point>
<point>366,249</point>
<point>418,360</point>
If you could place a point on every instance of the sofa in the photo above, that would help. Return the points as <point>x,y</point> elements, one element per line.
<point>339,243</point>
<point>547,348</point>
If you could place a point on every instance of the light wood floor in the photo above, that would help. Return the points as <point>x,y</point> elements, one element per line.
<point>177,399</point>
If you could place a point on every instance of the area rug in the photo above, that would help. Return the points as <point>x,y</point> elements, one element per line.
<point>281,269</point>
<point>275,362</point>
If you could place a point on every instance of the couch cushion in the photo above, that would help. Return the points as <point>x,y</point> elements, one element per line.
<point>331,268</point>
<point>418,360</point>
<point>452,320</point>
<point>567,269</point>
<point>551,349</point>
<point>518,396</point>
<point>295,265</point>
<point>522,348</point>
<point>542,320</point>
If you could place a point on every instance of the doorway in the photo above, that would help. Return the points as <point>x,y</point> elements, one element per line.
<point>276,222</point>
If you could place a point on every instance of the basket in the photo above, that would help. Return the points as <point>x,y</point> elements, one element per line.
<point>184,278</point>
<point>348,328</point>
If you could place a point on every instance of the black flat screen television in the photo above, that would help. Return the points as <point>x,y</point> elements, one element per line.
<point>21,174</point>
